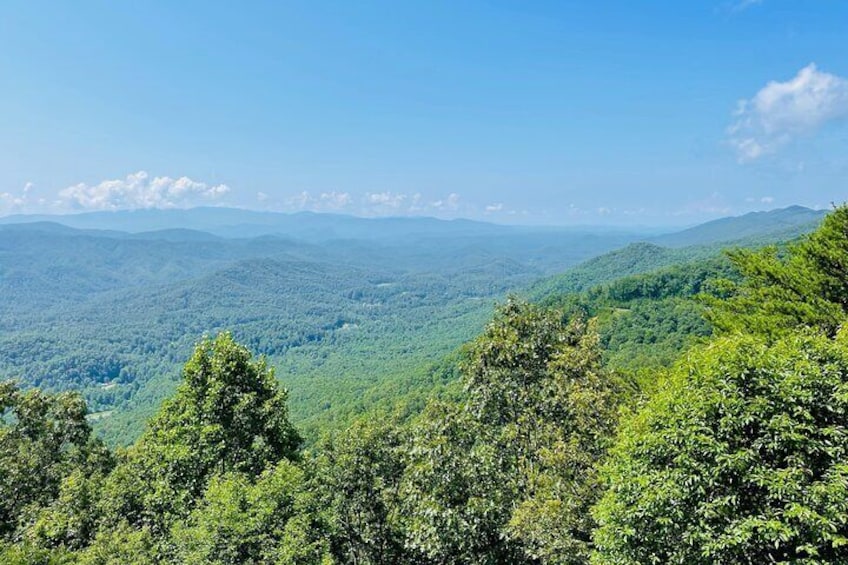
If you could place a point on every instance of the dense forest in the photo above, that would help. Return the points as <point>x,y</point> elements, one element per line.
<point>352,313</point>
<point>115,314</point>
<point>694,413</point>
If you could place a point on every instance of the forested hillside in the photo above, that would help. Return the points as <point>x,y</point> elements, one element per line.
<point>348,323</point>
<point>694,244</point>
<point>694,414</point>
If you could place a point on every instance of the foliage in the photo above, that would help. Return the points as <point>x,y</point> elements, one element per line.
<point>486,478</point>
<point>121,544</point>
<point>805,286</point>
<point>346,324</point>
<point>358,474</point>
<point>229,415</point>
<point>349,321</point>
<point>44,440</point>
<point>741,458</point>
<point>238,521</point>
<point>495,454</point>
<point>646,320</point>
<point>230,412</point>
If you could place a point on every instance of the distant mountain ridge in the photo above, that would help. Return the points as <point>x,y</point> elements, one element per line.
<point>693,244</point>
<point>240,223</point>
<point>786,223</point>
<point>183,224</point>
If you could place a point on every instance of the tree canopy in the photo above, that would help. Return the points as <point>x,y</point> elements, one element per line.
<point>803,285</point>
<point>741,458</point>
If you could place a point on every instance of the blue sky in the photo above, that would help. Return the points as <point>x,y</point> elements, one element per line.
<point>537,112</point>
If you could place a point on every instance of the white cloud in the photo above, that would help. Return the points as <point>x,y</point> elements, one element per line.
<point>782,111</point>
<point>335,200</point>
<point>491,208</point>
<point>19,202</point>
<point>376,204</point>
<point>415,205</point>
<point>139,190</point>
<point>302,201</point>
<point>450,203</point>
<point>767,199</point>
<point>10,200</point>
<point>386,199</point>
<point>324,202</point>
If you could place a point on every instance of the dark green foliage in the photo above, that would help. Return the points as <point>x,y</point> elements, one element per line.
<point>742,457</point>
<point>213,480</point>
<point>358,477</point>
<point>634,259</point>
<point>114,315</point>
<point>494,455</point>
<point>645,321</point>
<point>121,544</point>
<point>71,520</point>
<point>347,322</point>
<point>230,412</point>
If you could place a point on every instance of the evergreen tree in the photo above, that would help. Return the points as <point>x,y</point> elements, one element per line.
<point>805,285</point>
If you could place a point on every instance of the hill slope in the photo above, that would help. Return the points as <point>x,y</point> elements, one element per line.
<point>348,323</point>
<point>755,227</point>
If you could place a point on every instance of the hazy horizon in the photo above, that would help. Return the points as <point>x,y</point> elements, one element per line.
<point>657,228</point>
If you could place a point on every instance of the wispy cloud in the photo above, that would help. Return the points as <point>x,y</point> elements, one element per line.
<point>450,203</point>
<point>140,190</point>
<point>21,201</point>
<point>783,111</point>
<point>335,200</point>
<point>386,199</point>
<point>371,204</point>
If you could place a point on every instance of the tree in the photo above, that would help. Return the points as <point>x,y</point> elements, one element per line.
<point>742,457</point>
<point>358,475</point>
<point>239,521</point>
<point>805,285</point>
<point>229,411</point>
<point>44,439</point>
<point>508,475</point>
<point>228,416</point>
<point>70,521</point>
<point>121,544</point>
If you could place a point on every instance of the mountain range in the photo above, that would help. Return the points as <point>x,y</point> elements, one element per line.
<point>350,311</point>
